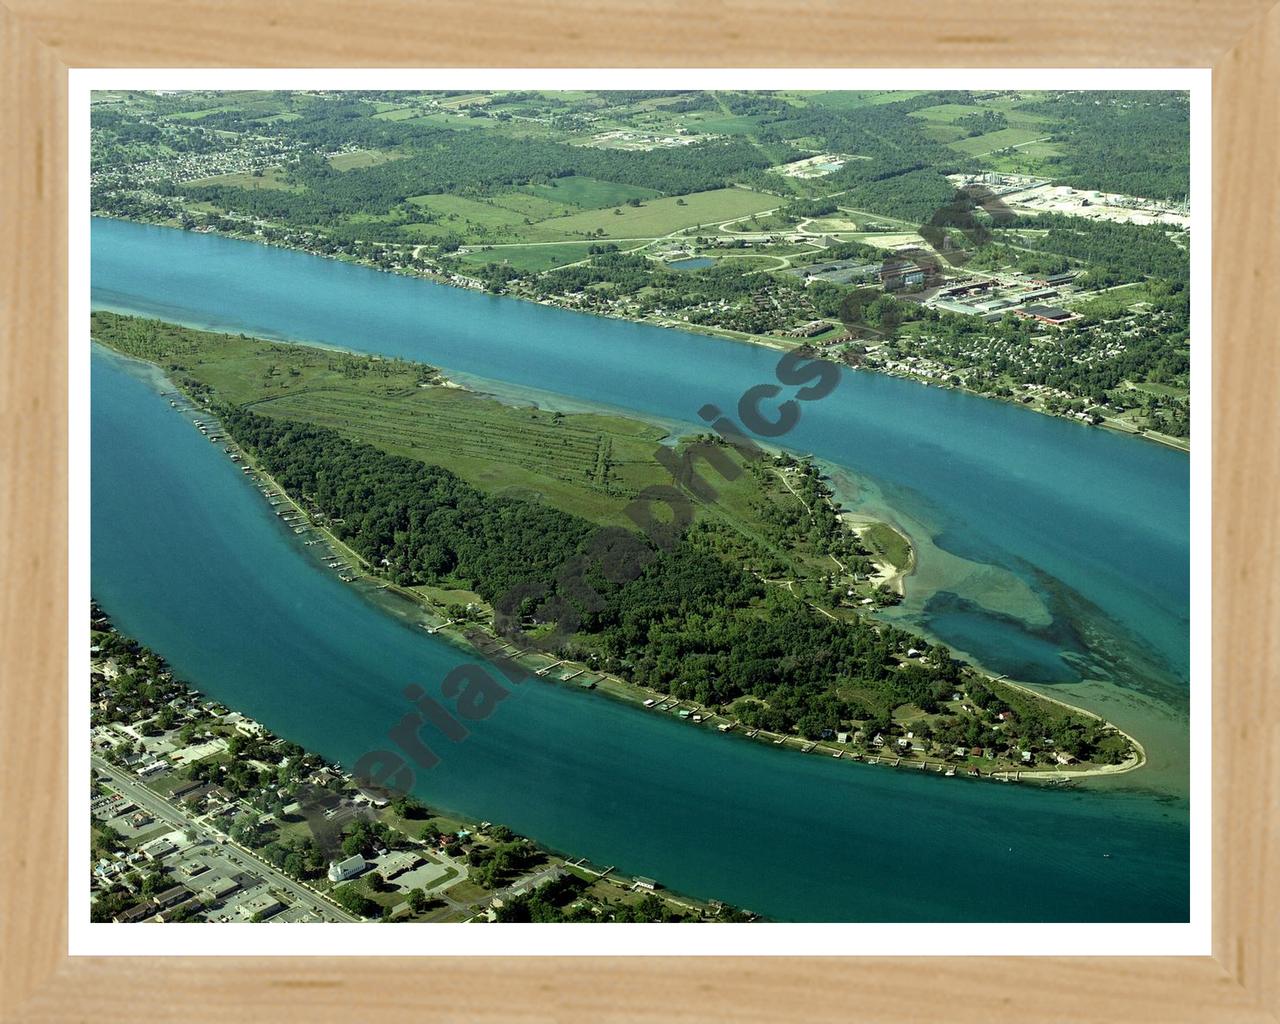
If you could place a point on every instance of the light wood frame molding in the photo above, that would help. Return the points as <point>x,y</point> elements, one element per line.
<point>41,39</point>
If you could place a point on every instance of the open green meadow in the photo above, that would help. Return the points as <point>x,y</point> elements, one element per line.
<point>588,193</point>
<point>271,177</point>
<point>361,158</point>
<point>980,145</point>
<point>531,258</point>
<point>854,100</point>
<point>889,543</point>
<point>587,464</point>
<point>654,217</point>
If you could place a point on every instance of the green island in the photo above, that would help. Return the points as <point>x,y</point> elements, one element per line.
<point>758,618</point>
<point>1028,246</point>
<point>199,813</point>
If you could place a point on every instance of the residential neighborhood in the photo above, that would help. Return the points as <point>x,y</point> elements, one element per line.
<point>200,814</point>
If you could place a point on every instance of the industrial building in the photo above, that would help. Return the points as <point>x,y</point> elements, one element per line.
<point>1049,314</point>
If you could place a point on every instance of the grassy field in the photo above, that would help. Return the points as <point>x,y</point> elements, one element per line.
<point>591,465</point>
<point>1005,137</point>
<point>535,258</point>
<point>654,217</point>
<point>482,220</point>
<point>886,240</point>
<point>200,115</point>
<point>361,158</point>
<point>589,193</point>
<point>889,543</point>
<point>711,123</point>
<point>395,113</point>
<point>1113,302</point>
<point>1037,158</point>
<point>853,100</point>
<point>588,464</point>
<point>271,177</point>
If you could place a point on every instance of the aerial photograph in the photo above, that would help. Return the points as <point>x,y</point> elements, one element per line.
<point>639,506</point>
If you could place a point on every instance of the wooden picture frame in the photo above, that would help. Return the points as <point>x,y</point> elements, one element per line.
<point>41,39</point>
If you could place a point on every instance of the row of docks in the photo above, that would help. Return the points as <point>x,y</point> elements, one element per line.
<point>692,713</point>
<point>289,512</point>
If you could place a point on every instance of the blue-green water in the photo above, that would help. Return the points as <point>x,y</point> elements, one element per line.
<point>692,263</point>
<point>1047,534</point>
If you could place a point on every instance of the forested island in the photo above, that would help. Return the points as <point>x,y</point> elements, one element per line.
<point>1031,246</point>
<point>759,613</point>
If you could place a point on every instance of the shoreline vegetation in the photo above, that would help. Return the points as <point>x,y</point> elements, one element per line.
<point>993,242</point>
<point>970,711</point>
<point>455,280</point>
<point>200,813</point>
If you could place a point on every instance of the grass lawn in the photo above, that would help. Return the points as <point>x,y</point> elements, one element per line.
<point>443,120</point>
<point>532,206</point>
<point>443,595</point>
<point>591,465</point>
<point>589,193</point>
<point>751,262</point>
<point>500,218</point>
<point>467,892</point>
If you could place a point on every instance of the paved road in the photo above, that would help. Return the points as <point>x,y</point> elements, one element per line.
<point>164,810</point>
